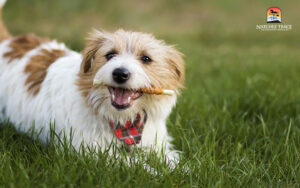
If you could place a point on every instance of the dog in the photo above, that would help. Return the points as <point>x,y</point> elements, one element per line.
<point>42,82</point>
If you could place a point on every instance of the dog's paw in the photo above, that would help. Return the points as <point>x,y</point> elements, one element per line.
<point>172,159</point>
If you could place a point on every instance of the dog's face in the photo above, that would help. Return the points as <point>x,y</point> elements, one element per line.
<point>125,62</point>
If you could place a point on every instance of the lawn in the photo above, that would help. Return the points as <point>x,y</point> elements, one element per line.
<point>237,121</point>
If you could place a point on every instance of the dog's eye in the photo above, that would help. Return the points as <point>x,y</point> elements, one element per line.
<point>110,55</point>
<point>146,59</point>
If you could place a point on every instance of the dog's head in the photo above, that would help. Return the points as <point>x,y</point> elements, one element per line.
<point>124,62</point>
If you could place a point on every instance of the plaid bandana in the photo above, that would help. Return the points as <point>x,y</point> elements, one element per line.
<point>129,133</point>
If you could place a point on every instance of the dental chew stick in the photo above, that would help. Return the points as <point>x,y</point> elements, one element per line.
<point>153,90</point>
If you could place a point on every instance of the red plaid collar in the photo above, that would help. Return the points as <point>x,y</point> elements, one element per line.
<point>130,133</point>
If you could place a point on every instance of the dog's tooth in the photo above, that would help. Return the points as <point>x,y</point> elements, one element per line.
<point>132,94</point>
<point>97,82</point>
<point>113,97</point>
<point>128,100</point>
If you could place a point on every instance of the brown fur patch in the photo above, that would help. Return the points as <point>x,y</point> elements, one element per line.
<point>85,81</point>
<point>20,45</point>
<point>37,68</point>
<point>91,63</point>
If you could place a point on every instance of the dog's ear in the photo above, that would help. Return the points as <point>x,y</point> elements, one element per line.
<point>94,42</point>
<point>175,59</point>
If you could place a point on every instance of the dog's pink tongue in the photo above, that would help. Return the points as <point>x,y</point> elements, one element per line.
<point>121,96</point>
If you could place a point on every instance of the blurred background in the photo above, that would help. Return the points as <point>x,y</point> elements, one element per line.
<point>205,23</point>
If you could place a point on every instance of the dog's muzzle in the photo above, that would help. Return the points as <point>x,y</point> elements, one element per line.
<point>122,98</point>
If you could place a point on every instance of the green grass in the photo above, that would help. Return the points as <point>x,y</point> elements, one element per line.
<point>237,122</point>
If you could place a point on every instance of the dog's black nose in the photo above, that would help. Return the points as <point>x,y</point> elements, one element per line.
<point>121,75</point>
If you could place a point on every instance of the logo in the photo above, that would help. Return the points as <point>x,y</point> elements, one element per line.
<point>274,15</point>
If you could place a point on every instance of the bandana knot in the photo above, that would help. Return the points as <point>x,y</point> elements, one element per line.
<point>129,133</point>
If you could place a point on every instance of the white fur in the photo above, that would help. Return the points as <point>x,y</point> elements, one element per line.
<point>2,2</point>
<point>60,101</point>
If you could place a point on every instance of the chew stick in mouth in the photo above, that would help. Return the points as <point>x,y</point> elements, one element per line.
<point>153,90</point>
<point>157,91</point>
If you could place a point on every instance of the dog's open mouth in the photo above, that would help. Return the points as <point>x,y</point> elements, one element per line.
<point>122,98</point>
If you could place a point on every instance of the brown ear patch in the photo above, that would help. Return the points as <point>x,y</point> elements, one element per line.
<point>37,68</point>
<point>177,63</point>
<point>88,69</point>
<point>89,54</point>
<point>20,45</point>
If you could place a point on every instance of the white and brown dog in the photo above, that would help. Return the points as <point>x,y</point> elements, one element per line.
<point>42,81</point>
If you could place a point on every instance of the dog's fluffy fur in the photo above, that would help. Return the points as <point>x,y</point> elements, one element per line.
<point>43,82</point>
